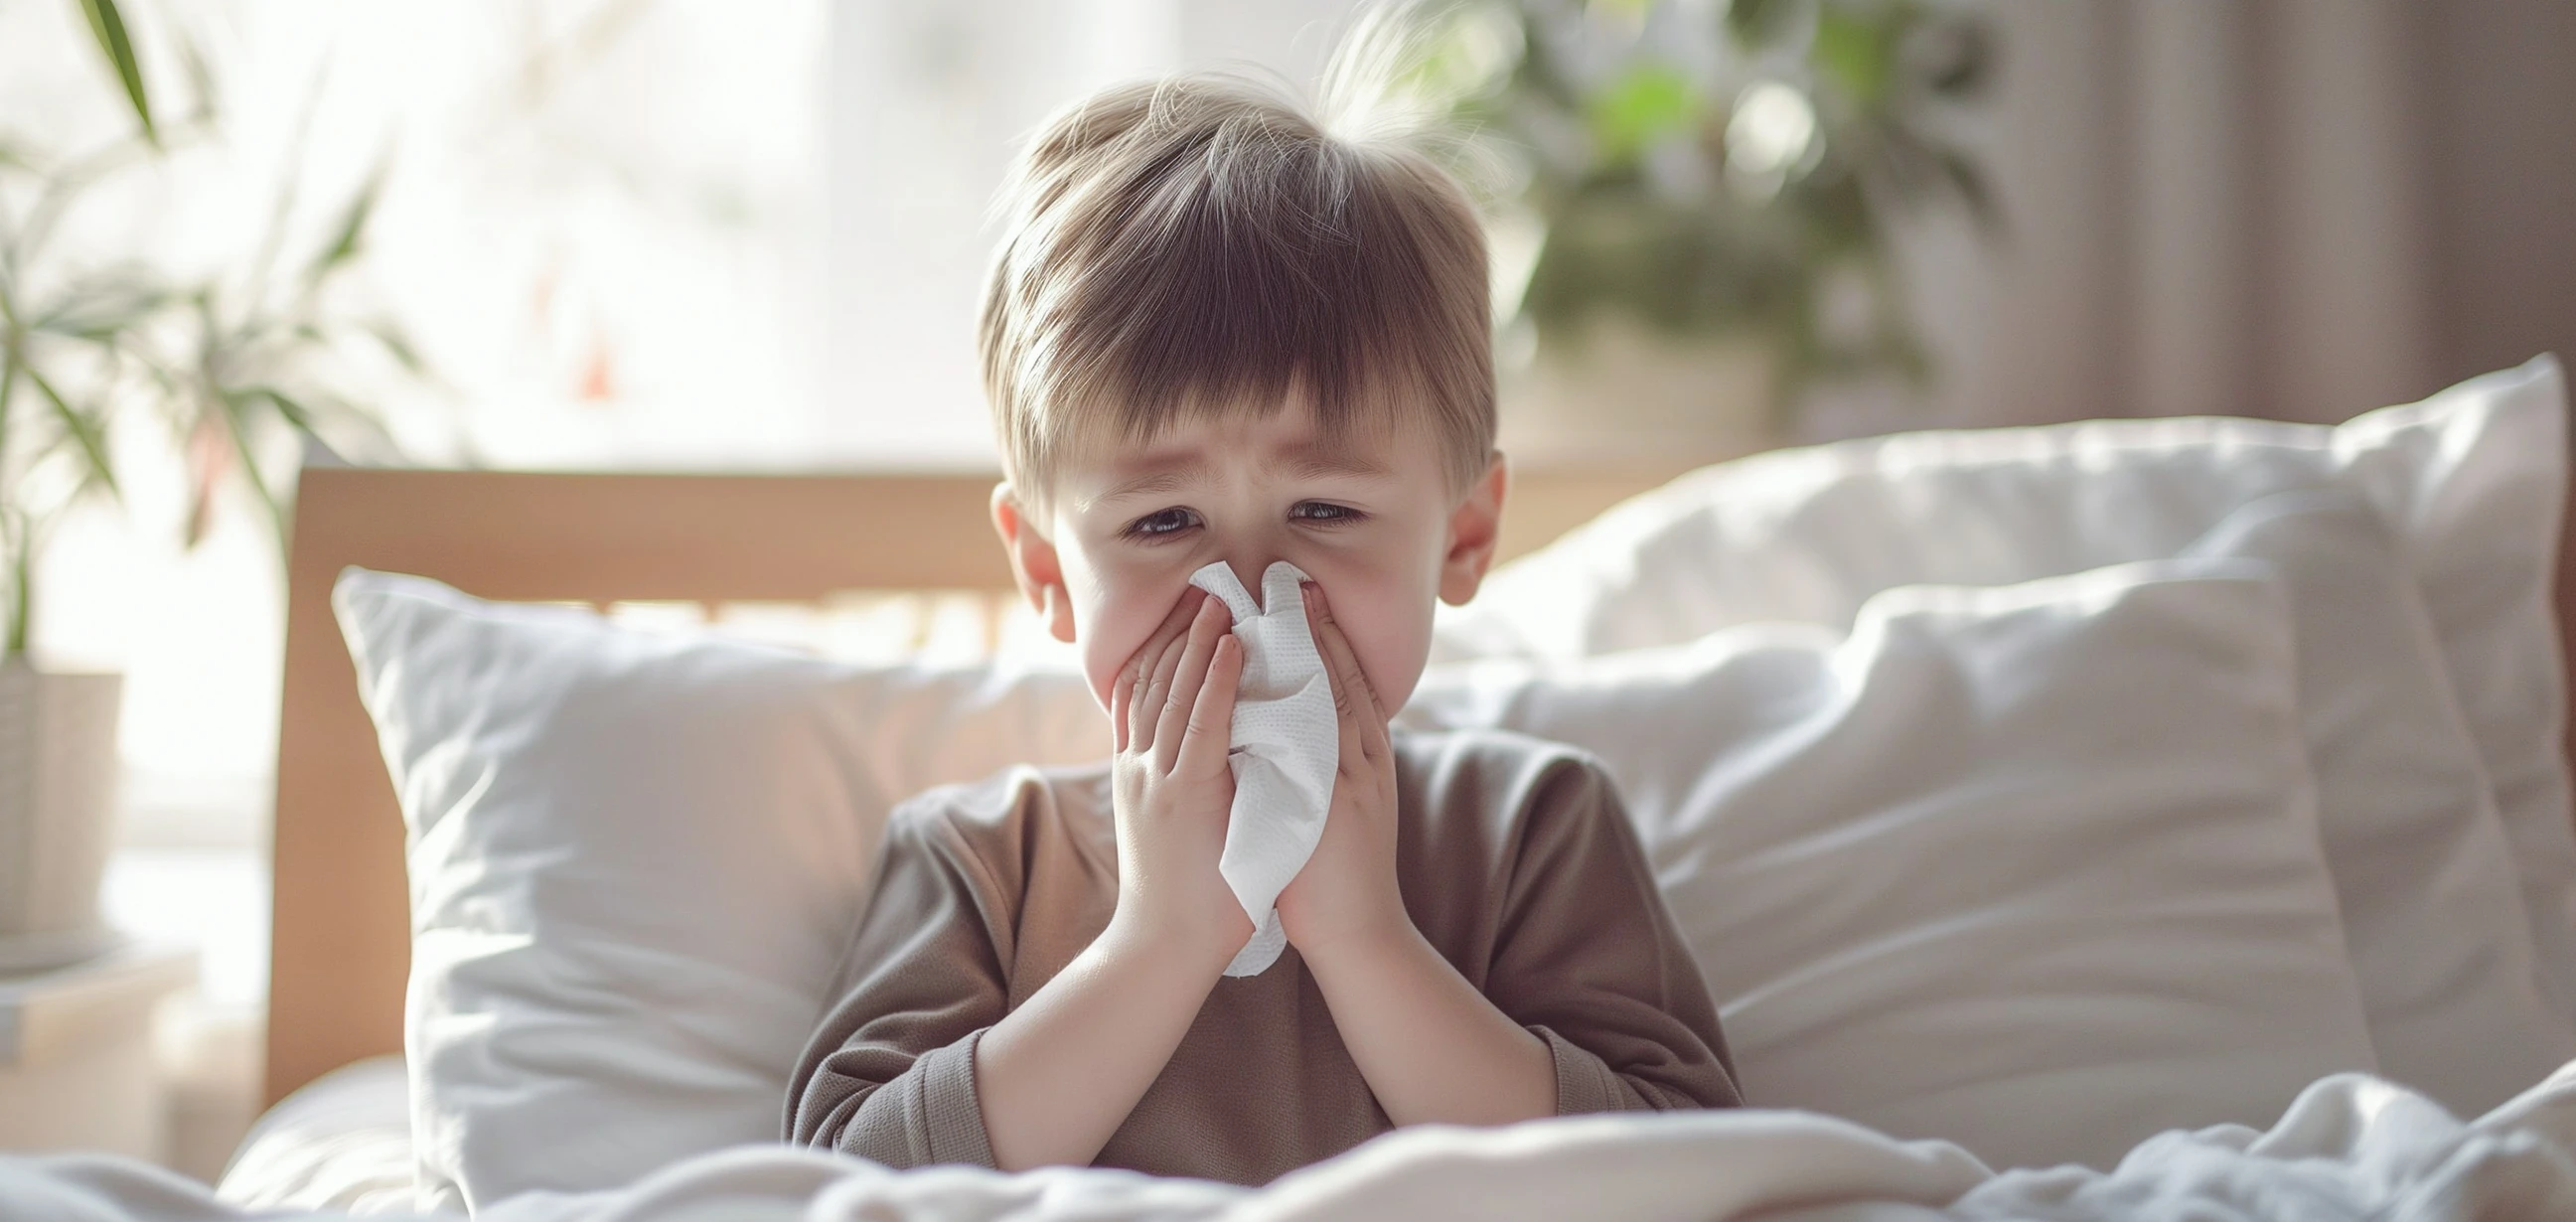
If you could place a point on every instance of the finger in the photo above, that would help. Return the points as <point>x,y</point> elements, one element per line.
<point>1149,687</point>
<point>1142,700</point>
<point>1149,702</point>
<point>1197,647</point>
<point>1175,621</point>
<point>1345,700</point>
<point>1210,732</point>
<point>1368,717</point>
<point>1351,686</point>
<point>1140,672</point>
<point>1343,658</point>
<point>1121,693</point>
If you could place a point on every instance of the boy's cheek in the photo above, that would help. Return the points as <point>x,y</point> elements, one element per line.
<point>1102,656</point>
<point>1387,623</point>
<point>1391,640</point>
<point>1097,633</point>
<point>1108,632</point>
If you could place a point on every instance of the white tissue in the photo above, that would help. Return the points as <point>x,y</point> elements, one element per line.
<point>1285,748</point>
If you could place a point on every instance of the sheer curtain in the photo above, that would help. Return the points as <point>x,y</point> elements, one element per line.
<point>2300,209</point>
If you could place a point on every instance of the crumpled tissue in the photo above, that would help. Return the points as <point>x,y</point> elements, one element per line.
<point>1284,750</point>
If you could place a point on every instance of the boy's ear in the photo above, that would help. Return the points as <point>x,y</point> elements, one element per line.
<point>1033,563</point>
<point>1474,527</point>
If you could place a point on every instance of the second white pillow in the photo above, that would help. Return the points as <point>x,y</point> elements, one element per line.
<point>2471,482</point>
<point>2034,869</point>
<point>2435,925</point>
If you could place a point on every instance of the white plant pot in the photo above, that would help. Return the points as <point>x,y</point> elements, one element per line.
<point>57,804</point>
<point>1623,393</point>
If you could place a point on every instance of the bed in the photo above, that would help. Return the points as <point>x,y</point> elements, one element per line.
<point>1603,639</point>
<point>342,944</point>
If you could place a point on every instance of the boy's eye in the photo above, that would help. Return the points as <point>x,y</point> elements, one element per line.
<point>1161,522</point>
<point>1174,520</point>
<point>1325,511</point>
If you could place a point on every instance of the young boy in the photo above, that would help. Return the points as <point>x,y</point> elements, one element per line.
<point>1217,333</point>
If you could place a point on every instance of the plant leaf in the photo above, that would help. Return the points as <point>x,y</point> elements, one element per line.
<point>1854,54</point>
<point>288,409</point>
<point>1969,180</point>
<point>1967,62</point>
<point>368,427</point>
<point>360,424</point>
<point>350,232</point>
<point>201,80</point>
<point>103,307</point>
<point>236,428</point>
<point>1761,23</point>
<point>398,345</point>
<point>313,416</point>
<point>1647,101</point>
<point>109,26</point>
<point>83,429</point>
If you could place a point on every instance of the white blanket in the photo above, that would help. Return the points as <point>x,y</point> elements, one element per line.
<point>2350,1147</point>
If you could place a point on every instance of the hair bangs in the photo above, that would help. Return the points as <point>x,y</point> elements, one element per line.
<point>1197,248</point>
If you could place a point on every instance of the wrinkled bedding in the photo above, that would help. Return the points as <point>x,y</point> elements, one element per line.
<point>2352,1146</point>
<point>342,1141</point>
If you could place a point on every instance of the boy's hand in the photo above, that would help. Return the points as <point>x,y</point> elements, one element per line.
<point>1171,719</point>
<point>1348,894</point>
<point>1057,1076</point>
<point>1432,1047</point>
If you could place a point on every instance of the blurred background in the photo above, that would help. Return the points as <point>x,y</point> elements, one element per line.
<point>241,235</point>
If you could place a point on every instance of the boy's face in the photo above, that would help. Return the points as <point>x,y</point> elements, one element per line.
<point>1369,518</point>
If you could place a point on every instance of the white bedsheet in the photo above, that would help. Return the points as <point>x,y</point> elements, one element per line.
<point>343,1141</point>
<point>2352,1146</point>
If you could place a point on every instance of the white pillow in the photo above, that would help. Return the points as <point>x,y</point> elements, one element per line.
<point>2034,869</point>
<point>2472,481</point>
<point>2435,926</point>
<point>634,860</point>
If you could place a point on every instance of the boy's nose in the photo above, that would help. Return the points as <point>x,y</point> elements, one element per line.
<point>1248,570</point>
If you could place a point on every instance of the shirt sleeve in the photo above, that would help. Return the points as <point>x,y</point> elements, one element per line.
<point>889,1075</point>
<point>1588,958</point>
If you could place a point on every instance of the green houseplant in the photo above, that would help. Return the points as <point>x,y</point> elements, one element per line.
<point>1707,187</point>
<point>227,360</point>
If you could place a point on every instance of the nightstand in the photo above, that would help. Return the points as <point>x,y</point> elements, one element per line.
<point>77,1070</point>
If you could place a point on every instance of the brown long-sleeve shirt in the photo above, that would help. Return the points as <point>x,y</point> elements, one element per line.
<point>1516,861</point>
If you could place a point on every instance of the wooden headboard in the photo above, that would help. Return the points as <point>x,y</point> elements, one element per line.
<point>340,941</point>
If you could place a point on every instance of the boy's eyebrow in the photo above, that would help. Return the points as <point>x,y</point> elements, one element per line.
<point>1311,462</point>
<point>1315,463</point>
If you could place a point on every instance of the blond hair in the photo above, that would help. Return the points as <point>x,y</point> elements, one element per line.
<point>1200,246</point>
